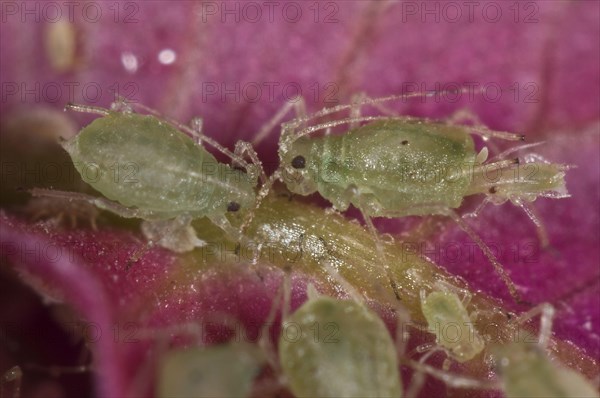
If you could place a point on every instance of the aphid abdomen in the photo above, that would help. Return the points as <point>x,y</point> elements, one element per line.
<point>142,162</point>
<point>338,348</point>
<point>402,165</point>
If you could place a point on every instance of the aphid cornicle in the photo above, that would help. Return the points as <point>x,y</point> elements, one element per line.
<point>156,172</point>
<point>397,166</point>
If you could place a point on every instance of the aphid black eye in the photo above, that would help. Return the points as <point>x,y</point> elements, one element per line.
<point>405,142</point>
<point>493,190</point>
<point>298,162</point>
<point>233,206</point>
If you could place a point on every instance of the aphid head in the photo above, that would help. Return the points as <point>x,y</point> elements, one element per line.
<point>299,168</point>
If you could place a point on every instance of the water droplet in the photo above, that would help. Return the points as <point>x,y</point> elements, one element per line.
<point>167,56</point>
<point>129,61</point>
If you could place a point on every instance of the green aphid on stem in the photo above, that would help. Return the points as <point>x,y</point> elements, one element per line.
<point>225,370</point>
<point>522,365</point>
<point>338,348</point>
<point>148,168</point>
<point>395,166</point>
<point>526,370</point>
<point>448,319</point>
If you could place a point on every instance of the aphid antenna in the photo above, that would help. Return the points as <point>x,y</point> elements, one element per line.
<point>372,101</point>
<point>312,129</point>
<point>288,128</point>
<point>86,109</point>
<point>194,132</point>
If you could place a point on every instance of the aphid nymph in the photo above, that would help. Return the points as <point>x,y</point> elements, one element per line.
<point>452,325</point>
<point>338,348</point>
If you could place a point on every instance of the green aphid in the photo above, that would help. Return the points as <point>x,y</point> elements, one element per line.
<point>226,370</point>
<point>338,348</point>
<point>149,168</point>
<point>395,166</point>
<point>452,325</point>
<point>527,371</point>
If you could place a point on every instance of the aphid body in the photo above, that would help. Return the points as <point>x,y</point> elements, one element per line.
<point>226,370</point>
<point>526,371</point>
<point>338,348</point>
<point>396,168</point>
<point>448,318</point>
<point>163,173</point>
<point>148,168</point>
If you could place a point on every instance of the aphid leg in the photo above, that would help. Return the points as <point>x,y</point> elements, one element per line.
<point>56,210</point>
<point>367,101</point>
<point>361,99</point>
<point>418,378</point>
<point>487,252</point>
<point>529,209</point>
<point>546,312</point>
<point>478,209</point>
<point>233,233</point>
<point>442,210</point>
<point>299,106</point>
<point>242,148</point>
<point>87,109</point>
<point>451,379</point>
<point>13,375</point>
<point>262,193</point>
<point>335,275</point>
<point>284,291</point>
<point>381,252</point>
<point>177,235</point>
<point>101,203</point>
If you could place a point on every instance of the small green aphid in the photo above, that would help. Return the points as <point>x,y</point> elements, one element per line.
<point>397,166</point>
<point>448,319</point>
<point>525,369</point>
<point>226,370</point>
<point>148,168</point>
<point>338,348</point>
